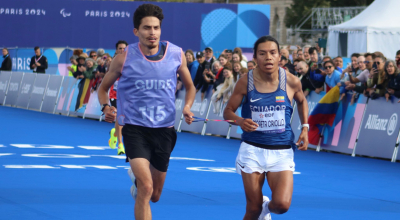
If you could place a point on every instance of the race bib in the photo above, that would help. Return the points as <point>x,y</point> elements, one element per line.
<point>270,122</point>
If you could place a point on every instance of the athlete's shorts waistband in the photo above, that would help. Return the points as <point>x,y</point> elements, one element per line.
<point>271,147</point>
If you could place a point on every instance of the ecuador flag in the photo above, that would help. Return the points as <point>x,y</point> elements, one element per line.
<point>323,113</point>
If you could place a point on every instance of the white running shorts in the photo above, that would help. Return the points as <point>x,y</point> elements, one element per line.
<point>252,159</point>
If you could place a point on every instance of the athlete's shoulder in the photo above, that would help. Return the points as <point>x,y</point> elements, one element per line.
<point>172,46</point>
<point>292,81</point>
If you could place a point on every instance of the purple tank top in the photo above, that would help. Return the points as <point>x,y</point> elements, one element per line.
<point>146,89</point>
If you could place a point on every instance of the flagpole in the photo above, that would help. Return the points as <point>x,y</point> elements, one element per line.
<point>320,139</point>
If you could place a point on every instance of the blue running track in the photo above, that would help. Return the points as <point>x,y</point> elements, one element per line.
<point>57,167</point>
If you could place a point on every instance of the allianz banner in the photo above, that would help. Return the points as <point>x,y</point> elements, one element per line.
<point>4,80</point>
<point>39,88</point>
<point>26,90</point>
<point>51,94</point>
<point>312,100</point>
<point>65,95</point>
<point>199,109</point>
<point>379,129</point>
<point>13,88</point>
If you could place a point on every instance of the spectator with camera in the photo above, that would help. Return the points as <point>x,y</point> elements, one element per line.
<point>338,61</point>
<point>38,62</point>
<point>377,80</point>
<point>80,67</point>
<point>6,65</point>
<point>393,76</point>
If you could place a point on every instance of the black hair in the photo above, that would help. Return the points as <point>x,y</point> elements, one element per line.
<point>36,48</point>
<point>337,57</point>
<point>398,52</point>
<point>355,55</point>
<point>264,39</point>
<point>92,52</point>
<point>312,49</point>
<point>120,42</point>
<point>370,54</point>
<point>147,10</point>
<point>331,62</point>
<point>283,58</point>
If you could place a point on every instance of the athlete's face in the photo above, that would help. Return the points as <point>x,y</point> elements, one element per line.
<point>267,57</point>
<point>149,32</point>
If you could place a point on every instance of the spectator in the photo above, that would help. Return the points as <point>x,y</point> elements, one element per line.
<point>338,63</point>
<point>84,55</point>
<point>218,72</point>
<point>78,74</point>
<point>191,63</point>
<point>295,62</point>
<point>294,55</point>
<point>228,54</point>
<point>300,55</point>
<point>72,68</point>
<point>282,62</point>
<point>6,65</point>
<point>352,70</point>
<point>398,58</point>
<point>285,53</point>
<point>208,55</point>
<point>392,74</point>
<point>120,47</point>
<point>332,77</point>
<point>354,63</point>
<point>377,81</point>
<point>240,52</point>
<point>243,72</point>
<point>90,70</point>
<point>236,69</point>
<point>363,77</point>
<point>77,52</point>
<point>199,73</point>
<point>101,66</point>
<point>38,62</point>
<point>224,92</point>
<point>251,65</point>
<point>236,58</point>
<point>306,53</point>
<point>313,52</point>
<point>100,52</point>
<point>223,60</point>
<point>307,83</point>
<point>359,87</point>
<point>93,55</point>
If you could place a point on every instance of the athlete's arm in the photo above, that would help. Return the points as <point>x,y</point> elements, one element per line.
<point>234,102</point>
<point>112,75</point>
<point>302,106</point>
<point>190,89</point>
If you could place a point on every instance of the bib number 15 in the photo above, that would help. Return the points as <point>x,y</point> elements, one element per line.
<point>153,114</point>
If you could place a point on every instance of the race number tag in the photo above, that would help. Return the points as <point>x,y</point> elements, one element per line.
<point>270,122</point>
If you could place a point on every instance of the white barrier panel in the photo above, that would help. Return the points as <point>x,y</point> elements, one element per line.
<point>4,81</point>
<point>13,88</point>
<point>65,95</point>
<point>51,94</point>
<point>39,88</point>
<point>26,90</point>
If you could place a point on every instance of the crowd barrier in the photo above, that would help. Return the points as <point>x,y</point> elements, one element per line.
<point>367,127</point>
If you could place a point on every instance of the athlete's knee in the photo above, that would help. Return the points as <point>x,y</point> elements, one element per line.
<point>281,207</point>
<point>145,189</point>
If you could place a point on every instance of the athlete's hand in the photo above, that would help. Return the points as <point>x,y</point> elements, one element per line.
<point>247,125</point>
<point>188,115</point>
<point>302,143</point>
<point>110,113</point>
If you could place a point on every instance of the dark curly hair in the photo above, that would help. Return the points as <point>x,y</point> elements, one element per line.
<point>147,10</point>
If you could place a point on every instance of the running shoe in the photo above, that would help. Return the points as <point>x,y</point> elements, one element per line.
<point>121,149</point>
<point>133,187</point>
<point>265,214</point>
<point>113,140</point>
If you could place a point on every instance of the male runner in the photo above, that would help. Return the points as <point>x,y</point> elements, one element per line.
<point>115,133</point>
<point>267,139</point>
<point>146,104</point>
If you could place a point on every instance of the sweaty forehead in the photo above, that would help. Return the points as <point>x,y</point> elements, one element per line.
<point>267,46</point>
<point>150,21</point>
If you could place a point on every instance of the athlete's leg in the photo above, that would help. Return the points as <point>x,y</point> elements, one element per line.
<point>253,184</point>
<point>158,183</point>
<point>281,184</point>
<point>141,170</point>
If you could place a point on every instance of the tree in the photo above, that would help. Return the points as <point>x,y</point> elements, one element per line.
<point>300,9</point>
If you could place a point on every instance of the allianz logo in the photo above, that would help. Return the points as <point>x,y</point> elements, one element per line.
<point>20,11</point>
<point>51,93</point>
<point>376,123</point>
<point>104,14</point>
<point>200,107</point>
<point>13,87</point>
<point>38,90</point>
